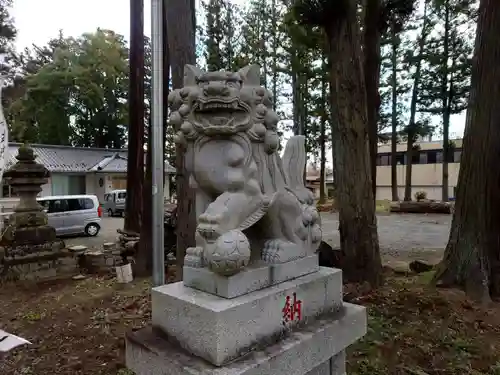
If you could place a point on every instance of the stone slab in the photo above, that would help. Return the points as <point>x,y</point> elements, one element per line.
<point>332,366</point>
<point>219,329</point>
<point>149,353</point>
<point>249,280</point>
<point>78,249</point>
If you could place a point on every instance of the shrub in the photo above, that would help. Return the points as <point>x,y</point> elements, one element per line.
<point>420,195</point>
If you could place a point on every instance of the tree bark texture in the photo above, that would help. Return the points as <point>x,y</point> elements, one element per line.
<point>412,126</point>
<point>144,259</point>
<point>445,104</point>
<point>394,119</point>
<point>357,221</point>
<point>181,44</point>
<point>166,84</point>
<point>135,157</point>
<point>322,139</point>
<point>472,257</point>
<point>372,74</point>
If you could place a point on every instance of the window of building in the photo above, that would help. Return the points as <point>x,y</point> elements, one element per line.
<point>431,157</point>
<point>422,158</point>
<point>456,156</point>
<point>401,158</point>
<point>439,156</point>
<point>384,159</point>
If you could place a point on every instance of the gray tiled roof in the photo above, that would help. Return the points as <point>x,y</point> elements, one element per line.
<point>77,159</point>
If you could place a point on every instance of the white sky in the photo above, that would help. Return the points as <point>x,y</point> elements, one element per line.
<point>37,21</point>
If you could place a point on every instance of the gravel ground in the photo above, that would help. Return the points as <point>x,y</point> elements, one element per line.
<point>401,236</point>
<point>108,233</point>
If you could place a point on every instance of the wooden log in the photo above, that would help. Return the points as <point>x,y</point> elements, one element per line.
<point>425,207</point>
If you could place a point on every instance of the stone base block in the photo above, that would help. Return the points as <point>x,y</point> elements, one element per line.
<point>219,329</point>
<point>333,366</point>
<point>316,349</point>
<point>251,279</point>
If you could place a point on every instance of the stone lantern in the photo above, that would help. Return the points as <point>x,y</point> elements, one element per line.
<point>27,230</point>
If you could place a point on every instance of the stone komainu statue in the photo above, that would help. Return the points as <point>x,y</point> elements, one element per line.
<point>251,205</point>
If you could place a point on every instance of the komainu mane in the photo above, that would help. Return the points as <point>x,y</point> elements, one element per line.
<point>251,205</point>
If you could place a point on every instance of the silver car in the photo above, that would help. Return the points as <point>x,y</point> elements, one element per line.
<point>73,214</point>
<point>114,202</point>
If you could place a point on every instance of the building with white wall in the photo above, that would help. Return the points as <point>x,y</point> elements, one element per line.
<point>80,170</point>
<point>427,169</point>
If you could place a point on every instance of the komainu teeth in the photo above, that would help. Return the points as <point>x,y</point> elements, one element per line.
<point>207,106</point>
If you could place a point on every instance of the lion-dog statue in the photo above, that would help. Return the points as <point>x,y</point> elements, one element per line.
<point>251,205</point>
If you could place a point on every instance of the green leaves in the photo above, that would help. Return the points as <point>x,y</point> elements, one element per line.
<point>74,92</point>
<point>319,12</point>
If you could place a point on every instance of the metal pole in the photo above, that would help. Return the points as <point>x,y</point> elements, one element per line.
<point>157,143</point>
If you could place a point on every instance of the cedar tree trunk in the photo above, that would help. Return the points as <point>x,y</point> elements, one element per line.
<point>135,157</point>
<point>372,73</point>
<point>471,260</point>
<point>394,119</point>
<point>181,44</point>
<point>357,221</point>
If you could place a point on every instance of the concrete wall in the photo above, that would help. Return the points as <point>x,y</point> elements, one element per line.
<point>92,185</point>
<point>434,145</point>
<point>425,177</point>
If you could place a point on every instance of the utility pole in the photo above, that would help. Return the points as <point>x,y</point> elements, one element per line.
<point>157,143</point>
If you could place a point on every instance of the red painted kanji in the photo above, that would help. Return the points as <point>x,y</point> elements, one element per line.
<point>292,309</point>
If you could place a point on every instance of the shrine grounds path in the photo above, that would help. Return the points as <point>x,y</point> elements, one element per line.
<point>401,236</point>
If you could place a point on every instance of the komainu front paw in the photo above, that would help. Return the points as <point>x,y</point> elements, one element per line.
<point>209,226</point>
<point>194,257</point>
<point>279,251</point>
<point>310,215</point>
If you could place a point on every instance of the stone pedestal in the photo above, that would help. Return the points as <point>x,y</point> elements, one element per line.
<point>196,332</point>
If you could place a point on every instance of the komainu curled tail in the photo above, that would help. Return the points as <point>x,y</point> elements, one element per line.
<point>298,231</point>
<point>294,164</point>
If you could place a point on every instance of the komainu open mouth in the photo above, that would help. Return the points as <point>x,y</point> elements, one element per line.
<point>213,106</point>
<point>226,116</point>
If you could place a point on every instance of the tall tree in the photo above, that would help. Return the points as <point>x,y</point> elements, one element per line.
<point>371,68</point>
<point>323,126</point>
<point>168,143</point>
<point>393,19</point>
<point>215,33</point>
<point>7,37</point>
<point>414,127</point>
<point>144,257</point>
<point>72,91</point>
<point>472,256</point>
<point>358,229</point>
<point>135,157</point>
<point>446,78</point>
<point>181,24</point>
<point>7,30</point>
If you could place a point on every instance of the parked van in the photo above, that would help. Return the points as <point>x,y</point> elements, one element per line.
<point>73,214</point>
<point>114,202</point>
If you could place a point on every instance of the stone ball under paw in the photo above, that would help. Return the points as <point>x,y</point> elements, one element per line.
<point>230,254</point>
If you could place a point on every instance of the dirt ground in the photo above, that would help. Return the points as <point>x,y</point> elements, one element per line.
<point>78,327</point>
